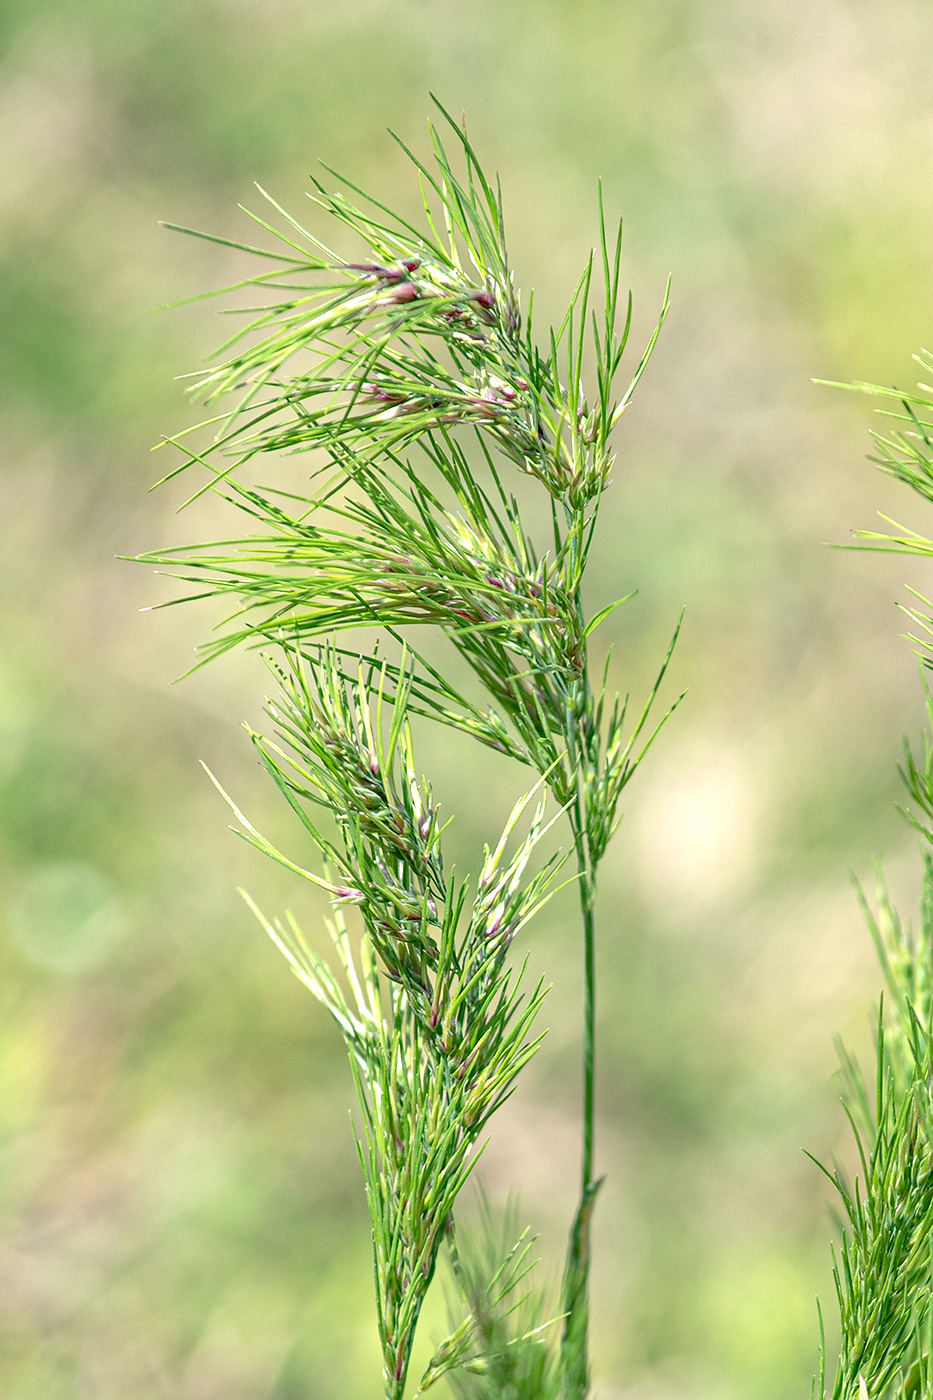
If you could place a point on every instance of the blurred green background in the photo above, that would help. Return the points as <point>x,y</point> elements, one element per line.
<point>180,1210</point>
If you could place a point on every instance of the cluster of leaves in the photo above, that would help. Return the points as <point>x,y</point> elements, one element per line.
<point>412,377</point>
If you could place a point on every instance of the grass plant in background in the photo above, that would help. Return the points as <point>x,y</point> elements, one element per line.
<point>409,372</point>
<point>883,1269</point>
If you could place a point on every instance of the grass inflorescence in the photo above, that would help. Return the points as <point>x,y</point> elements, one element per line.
<point>417,382</point>
<point>883,1268</point>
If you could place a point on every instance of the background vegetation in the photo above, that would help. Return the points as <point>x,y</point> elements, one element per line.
<point>180,1214</point>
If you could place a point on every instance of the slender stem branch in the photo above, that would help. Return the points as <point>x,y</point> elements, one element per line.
<point>575,1343</point>
<point>589,1027</point>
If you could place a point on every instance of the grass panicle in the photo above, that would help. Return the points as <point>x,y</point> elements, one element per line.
<point>883,1269</point>
<point>409,373</point>
<point>437,1050</point>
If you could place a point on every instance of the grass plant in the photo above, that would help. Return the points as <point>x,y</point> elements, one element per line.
<point>411,374</point>
<point>883,1269</point>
